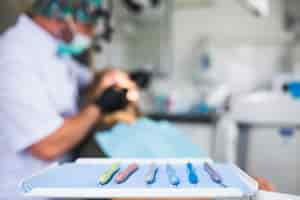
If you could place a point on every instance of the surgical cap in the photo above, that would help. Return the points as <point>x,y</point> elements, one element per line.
<point>83,11</point>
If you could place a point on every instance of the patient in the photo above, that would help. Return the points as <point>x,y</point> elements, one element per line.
<point>121,79</point>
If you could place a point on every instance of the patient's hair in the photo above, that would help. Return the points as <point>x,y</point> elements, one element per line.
<point>127,115</point>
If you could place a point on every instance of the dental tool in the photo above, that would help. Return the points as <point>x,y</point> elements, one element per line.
<point>214,175</point>
<point>124,175</point>
<point>173,178</point>
<point>192,176</point>
<point>151,174</point>
<point>108,174</point>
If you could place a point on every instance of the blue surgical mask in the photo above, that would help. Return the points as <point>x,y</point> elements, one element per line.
<point>78,45</point>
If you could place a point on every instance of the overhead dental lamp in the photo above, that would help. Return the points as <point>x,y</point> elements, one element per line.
<point>259,8</point>
<point>139,6</point>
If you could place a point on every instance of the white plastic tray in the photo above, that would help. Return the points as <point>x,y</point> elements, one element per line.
<point>65,191</point>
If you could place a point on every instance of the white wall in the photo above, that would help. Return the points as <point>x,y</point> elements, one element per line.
<point>226,24</point>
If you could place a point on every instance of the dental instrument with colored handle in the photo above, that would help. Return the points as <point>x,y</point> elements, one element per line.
<point>124,175</point>
<point>173,178</point>
<point>108,174</point>
<point>151,174</point>
<point>191,172</point>
<point>214,175</point>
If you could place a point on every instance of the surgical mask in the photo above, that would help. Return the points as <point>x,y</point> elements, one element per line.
<point>77,46</point>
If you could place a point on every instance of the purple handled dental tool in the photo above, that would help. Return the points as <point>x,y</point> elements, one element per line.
<point>214,175</point>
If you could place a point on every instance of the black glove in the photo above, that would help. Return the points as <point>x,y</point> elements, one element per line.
<point>285,87</point>
<point>112,99</point>
<point>141,77</point>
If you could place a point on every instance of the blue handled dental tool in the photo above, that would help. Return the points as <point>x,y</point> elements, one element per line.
<point>214,175</point>
<point>192,176</point>
<point>173,178</point>
<point>151,174</point>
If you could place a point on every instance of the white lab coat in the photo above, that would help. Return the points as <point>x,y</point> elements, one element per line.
<point>37,90</point>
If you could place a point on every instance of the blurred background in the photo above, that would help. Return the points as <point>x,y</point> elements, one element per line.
<point>219,69</point>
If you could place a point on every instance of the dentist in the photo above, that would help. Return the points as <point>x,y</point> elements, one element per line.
<point>40,121</point>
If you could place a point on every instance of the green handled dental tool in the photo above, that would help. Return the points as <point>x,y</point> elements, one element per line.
<point>108,174</point>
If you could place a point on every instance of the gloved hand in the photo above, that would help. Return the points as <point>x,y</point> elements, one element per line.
<point>141,77</point>
<point>112,99</point>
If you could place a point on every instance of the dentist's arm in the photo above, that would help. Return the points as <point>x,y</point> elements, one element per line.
<point>74,129</point>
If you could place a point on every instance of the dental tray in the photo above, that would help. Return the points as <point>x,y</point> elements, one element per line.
<point>80,179</point>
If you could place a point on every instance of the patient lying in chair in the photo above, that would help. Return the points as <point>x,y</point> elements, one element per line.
<point>129,115</point>
<point>120,79</point>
